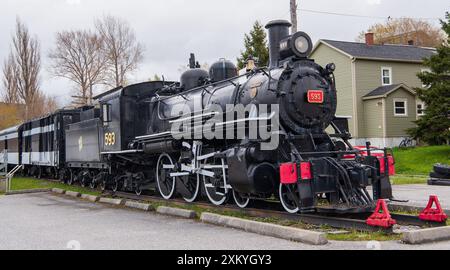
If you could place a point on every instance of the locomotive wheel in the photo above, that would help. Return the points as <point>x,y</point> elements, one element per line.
<point>138,180</point>
<point>117,185</point>
<point>166,183</point>
<point>286,198</point>
<point>138,190</point>
<point>92,185</point>
<point>84,180</point>
<point>62,175</point>
<point>192,187</point>
<point>102,185</point>
<point>39,172</point>
<point>71,178</point>
<point>241,200</point>
<point>215,189</point>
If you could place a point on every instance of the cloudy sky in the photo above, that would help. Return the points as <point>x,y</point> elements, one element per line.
<point>171,29</point>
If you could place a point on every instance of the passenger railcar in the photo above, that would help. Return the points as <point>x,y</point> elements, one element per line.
<point>38,144</point>
<point>10,146</point>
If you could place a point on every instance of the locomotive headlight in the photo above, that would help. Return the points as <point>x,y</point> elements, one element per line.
<point>299,44</point>
<point>302,44</point>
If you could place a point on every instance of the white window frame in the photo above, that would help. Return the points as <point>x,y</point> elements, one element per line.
<point>422,71</point>
<point>405,100</point>
<point>390,76</point>
<point>423,108</point>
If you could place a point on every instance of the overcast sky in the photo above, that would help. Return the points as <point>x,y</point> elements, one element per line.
<point>171,29</point>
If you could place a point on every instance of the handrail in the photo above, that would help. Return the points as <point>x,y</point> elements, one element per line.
<point>10,175</point>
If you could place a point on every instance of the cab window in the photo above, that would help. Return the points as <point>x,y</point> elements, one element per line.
<point>106,113</point>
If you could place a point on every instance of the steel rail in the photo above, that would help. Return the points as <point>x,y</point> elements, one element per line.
<point>415,221</point>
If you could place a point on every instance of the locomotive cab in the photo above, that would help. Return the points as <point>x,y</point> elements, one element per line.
<point>125,114</point>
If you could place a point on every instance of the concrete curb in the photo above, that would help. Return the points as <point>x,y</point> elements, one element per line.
<point>58,190</point>
<point>427,235</point>
<point>112,201</point>
<point>176,212</point>
<point>28,191</point>
<point>140,206</point>
<point>73,194</point>
<point>292,234</point>
<point>90,198</point>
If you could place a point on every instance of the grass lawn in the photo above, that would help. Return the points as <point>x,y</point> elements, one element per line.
<point>364,236</point>
<point>408,180</point>
<point>420,160</point>
<point>21,183</point>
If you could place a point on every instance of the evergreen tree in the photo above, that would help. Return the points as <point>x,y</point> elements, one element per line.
<point>434,126</point>
<point>255,45</point>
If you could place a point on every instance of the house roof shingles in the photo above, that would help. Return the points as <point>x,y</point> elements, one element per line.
<point>386,90</point>
<point>388,52</point>
<point>382,90</point>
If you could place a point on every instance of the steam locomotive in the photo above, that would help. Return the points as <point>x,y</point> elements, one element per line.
<point>152,136</point>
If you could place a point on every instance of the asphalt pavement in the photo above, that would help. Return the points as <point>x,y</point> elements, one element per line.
<point>55,222</point>
<point>418,195</point>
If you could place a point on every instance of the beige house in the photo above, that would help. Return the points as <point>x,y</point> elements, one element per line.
<point>375,87</point>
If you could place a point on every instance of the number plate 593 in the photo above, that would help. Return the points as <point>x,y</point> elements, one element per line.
<point>110,139</point>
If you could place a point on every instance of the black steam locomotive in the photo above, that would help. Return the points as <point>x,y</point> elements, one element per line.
<point>157,136</point>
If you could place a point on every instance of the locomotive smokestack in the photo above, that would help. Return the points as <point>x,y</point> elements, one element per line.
<point>278,30</point>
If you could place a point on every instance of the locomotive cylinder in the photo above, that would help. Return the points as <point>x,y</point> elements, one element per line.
<point>160,147</point>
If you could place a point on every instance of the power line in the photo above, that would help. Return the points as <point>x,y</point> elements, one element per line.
<point>359,16</point>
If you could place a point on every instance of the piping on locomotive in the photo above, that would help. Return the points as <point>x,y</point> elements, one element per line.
<point>132,141</point>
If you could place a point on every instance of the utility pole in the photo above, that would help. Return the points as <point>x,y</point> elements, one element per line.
<point>294,16</point>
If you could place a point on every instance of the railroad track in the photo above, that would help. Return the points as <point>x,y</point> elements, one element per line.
<point>351,222</point>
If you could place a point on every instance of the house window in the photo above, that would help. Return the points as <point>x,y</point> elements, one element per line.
<point>400,107</point>
<point>420,108</point>
<point>386,76</point>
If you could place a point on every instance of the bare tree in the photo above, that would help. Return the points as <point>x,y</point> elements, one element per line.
<point>43,105</point>
<point>10,94</point>
<point>404,31</point>
<point>122,50</point>
<point>27,58</point>
<point>78,57</point>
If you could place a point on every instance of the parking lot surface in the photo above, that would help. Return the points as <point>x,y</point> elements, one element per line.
<point>48,221</point>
